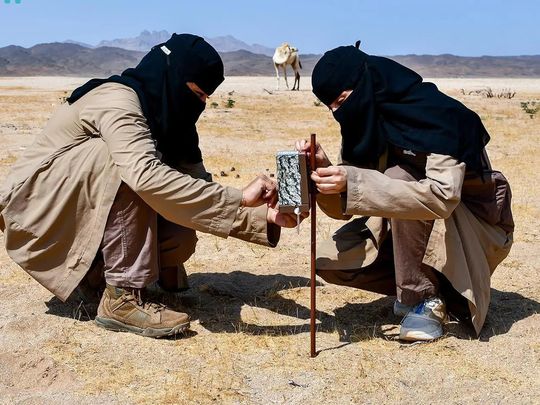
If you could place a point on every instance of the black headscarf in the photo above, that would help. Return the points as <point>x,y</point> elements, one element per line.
<point>170,107</point>
<point>391,104</point>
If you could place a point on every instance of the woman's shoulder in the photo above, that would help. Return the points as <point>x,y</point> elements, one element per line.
<point>109,97</point>
<point>113,91</point>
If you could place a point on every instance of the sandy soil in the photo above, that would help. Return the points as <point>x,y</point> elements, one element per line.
<point>250,339</point>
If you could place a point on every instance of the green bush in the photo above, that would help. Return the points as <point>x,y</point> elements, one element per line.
<point>530,107</point>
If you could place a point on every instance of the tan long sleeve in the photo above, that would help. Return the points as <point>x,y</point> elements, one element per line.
<point>194,203</point>
<point>372,193</point>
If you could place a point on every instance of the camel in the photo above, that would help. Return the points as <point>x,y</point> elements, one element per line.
<point>287,55</point>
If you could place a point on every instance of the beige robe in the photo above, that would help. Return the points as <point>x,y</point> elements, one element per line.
<point>461,246</point>
<point>55,202</point>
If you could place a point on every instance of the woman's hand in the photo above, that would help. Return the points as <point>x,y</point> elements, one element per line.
<point>321,160</point>
<point>273,216</point>
<point>262,190</point>
<point>330,180</point>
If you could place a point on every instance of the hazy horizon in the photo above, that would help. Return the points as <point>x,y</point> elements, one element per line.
<point>69,40</point>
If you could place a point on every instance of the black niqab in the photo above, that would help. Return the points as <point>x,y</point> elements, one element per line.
<point>170,107</point>
<point>391,104</point>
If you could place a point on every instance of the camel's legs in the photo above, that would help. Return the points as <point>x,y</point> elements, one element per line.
<point>277,75</point>
<point>296,85</point>
<point>285,75</point>
<point>296,65</point>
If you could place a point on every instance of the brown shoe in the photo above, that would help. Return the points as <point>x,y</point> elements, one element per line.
<point>123,310</point>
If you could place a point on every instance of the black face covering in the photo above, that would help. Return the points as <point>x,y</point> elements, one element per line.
<point>391,104</point>
<point>170,107</point>
<point>361,142</point>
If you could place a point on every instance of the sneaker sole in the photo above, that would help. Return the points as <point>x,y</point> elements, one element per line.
<point>414,335</point>
<point>116,326</point>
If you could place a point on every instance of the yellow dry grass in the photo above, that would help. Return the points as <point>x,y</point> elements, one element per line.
<point>251,304</point>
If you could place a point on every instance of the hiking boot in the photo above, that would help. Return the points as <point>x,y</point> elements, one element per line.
<point>424,321</point>
<point>401,309</point>
<point>123,310</point>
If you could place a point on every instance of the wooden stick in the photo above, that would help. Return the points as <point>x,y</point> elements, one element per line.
<point>313,206</point>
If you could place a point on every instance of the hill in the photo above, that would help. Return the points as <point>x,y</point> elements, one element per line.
<point>147,39</point>
<point>65,59</point>
<point>70,59</point>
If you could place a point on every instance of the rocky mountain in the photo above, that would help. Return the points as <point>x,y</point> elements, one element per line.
<point>462,66</point>
<point>83,44</point>
<point>143,42</point>
<point>147,39</point>
<point>229,43</point>
<point>68,59</point>
<point>61,59</point>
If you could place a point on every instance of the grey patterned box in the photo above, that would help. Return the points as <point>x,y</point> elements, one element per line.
<point>292,177</point>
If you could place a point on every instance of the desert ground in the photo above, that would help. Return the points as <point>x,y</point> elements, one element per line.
<point>250,305</point>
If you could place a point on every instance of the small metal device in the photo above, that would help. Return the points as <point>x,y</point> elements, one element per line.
<point>292,177</point>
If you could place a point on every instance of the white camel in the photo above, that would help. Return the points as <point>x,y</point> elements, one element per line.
<point>287,55</point>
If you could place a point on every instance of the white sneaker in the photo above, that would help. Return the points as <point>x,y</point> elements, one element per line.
<point>401,309</point>
<point>424,321</point>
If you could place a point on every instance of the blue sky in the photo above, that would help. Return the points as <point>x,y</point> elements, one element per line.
<point>461,27</point>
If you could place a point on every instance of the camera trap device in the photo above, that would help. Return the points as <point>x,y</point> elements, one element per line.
<point>296,194</point>
<point>293,182</point>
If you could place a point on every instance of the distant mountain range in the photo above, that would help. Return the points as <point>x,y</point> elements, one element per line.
<point>62,59</point>
<point>72,58</point>
<point>147,39</point>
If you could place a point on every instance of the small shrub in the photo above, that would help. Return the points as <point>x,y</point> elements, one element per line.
<point>230,103</point>
<point>487,92</point>
<point>317,102</point>
<point>530,107</point>
<point>213,104</point>
<point>506,93</point>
